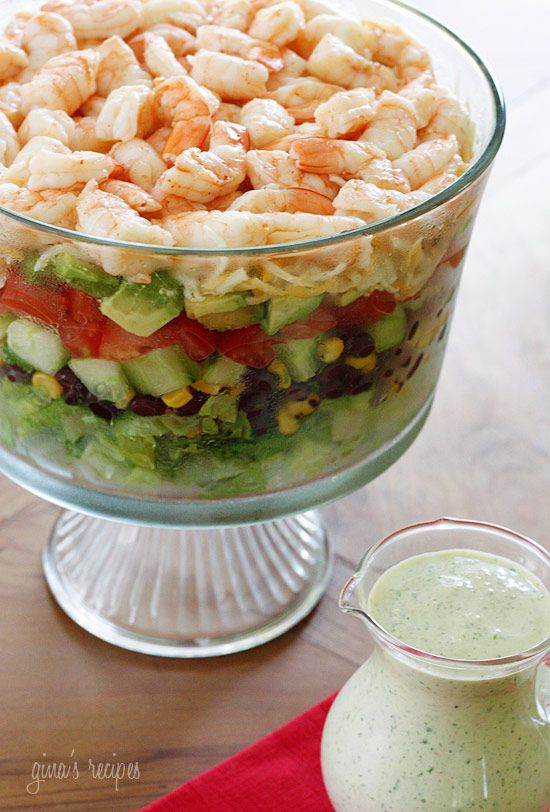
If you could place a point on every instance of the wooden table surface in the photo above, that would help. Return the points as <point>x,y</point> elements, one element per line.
<point>484,454</point>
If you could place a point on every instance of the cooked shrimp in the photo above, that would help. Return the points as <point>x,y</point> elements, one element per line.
<point>63,83</point>
<point>19,171</point>
<point>234,14</point>
<point>393,128</point>
<point>10,102</point>
<point>266,121</point>
<point>52,170</point>
<point>105,215</point>
<point>293,67</point>
<point>326,156</point>
<point>92,106</point>
<point>177,205</point>
<point>158,57</point>
<point>359,198</point>
<point>12,59</point>
<point>202,176</point>
<point>452,172</point>
<point>312,8</point>
<point>280,23</point>
<point>48,206</point>
<point>302,96</point>
<point>229,41</point>
<point>188,14</point>
<point>16,26</point>
<point>45,35</point>
<point>308,129</point>
<point>333,60</point>
<point>350,31</point>
<point>427,159</point>
<point>232,229</point>
<point>277,168</point>
<point>85,137</point>
<point>117,66</point>
<point>289,200</point>
<point>180,41</point>
<point>230,76</point>
<point>228,112</point>
<point>141,163</point>
<point>129,112</point>
<point>394,47</point>
<point>133,195</point>
<point>423,97</point>
<point>189,109</point>
<point>41,121</point>
<point>159,138</point>
<point>451,119</point>
<point>9,142</point>
<point>98,19</point>
<point>346,112</point>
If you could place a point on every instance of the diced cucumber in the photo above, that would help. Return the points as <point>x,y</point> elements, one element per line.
<point>159,371</point>
<point>84,275</point>
<point>390,331</point>
<point>222,407</point>
<point>233,320</point>
<point>37,346</point>
<point>300,358</point>
<point>28,270</point>
<point>223,371</point>
<point>143,309</point>
<point>105,379</point>
<point>11,358</point>
<point>286,309</point>
<point>5,321</point>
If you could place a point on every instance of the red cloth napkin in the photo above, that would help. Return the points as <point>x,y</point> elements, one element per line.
<point>281,771</point>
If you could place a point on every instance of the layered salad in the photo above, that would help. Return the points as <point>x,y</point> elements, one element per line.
<point>194,309</point>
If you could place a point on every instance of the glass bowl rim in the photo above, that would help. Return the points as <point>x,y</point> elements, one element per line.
<point>437,659</point>
<point>463,182</point>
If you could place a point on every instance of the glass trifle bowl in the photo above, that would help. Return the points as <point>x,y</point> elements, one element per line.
<point>186,417</point>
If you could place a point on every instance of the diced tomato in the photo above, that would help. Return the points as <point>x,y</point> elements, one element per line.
<point>194,339</point>
<point>48,304</point>
<point>119,345</point>
<point>367,310</point>
<point>457,258</point>
<point>81,332</point>
<point>247,345</point>
<point>320,321</point>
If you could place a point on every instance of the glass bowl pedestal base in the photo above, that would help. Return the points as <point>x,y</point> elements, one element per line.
<point>187,592</point>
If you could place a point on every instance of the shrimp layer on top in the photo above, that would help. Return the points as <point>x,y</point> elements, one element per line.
<point>205,123</point>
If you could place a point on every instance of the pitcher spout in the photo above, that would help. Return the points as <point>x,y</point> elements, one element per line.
<point>349,600</point>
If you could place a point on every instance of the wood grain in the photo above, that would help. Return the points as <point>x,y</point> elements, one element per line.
<point>484,453</point>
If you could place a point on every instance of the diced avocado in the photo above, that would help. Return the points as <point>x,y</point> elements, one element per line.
<point>159,371</point>
<point>346,298</point>
<point>28,270</point>
<point>223,407</point>
<point>5,321</point>
<point>390,331</point>
<point>243,317</point>
<point>223,371</point>
<point>37,346</point>
<point>84,275</point>
<point>215,304</point>
<point>105,379</point>
<point>286,309</point>
<point>142,309</point>
<point>300,358</point>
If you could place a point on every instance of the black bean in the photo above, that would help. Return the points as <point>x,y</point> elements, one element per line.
<point>339,379</point>
<point>104,409</point>
<point>417,363</point>
<point>412,331</point>
<point>388,373</point>
<point>441,335</point>
<point>74,391</point>
<point>193,406</point>
<point>15,374</point>
<point>359,345</point>
<point>147,406</point>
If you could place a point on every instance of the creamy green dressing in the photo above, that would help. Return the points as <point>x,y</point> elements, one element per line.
<point>462,604</point>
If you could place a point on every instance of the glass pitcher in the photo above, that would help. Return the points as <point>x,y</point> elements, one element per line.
<point>414,732</point>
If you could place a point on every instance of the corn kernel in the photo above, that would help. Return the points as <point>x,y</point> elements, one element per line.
<point>365,365</point>
<point>207,388</point>
<point>236,391</point>
<point>125,402</point>
<point>49,383</point>
<point>330,349</point>
<point>279,369</point>
<point>177,398</point>
<point>286,422</point>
